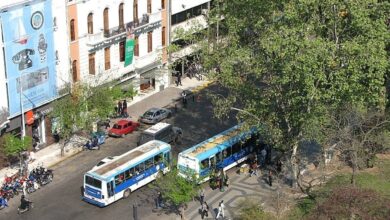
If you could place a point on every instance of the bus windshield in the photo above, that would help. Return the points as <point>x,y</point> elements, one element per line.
<point>93,182</point>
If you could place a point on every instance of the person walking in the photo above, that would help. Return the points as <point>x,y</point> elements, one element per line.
<point>159,200</point>
<point>179,75</point>
<point>201,196</point>
<point>221,210</point>
<point>184,96</point>
<point>204,210</point>
<point>263,156</point>
<point>270,178</point>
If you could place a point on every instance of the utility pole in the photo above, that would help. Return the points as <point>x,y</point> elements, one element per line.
<point>23,131</point>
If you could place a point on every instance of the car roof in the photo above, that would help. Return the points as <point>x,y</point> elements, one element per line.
<point>153,109</point>
<point>122,122</point>
<point>157,127</point>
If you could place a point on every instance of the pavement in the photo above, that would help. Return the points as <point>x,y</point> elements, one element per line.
<point>51,155</point>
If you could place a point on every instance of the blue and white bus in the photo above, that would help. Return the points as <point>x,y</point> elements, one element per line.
<point>222,151</point>
<point>121,175</point>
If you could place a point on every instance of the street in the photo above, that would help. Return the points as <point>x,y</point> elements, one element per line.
<point>62,199</point>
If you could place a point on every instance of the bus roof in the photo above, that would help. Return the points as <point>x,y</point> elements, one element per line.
<point>207,147</point>
<point>133,156</point>
<point>157,127</point>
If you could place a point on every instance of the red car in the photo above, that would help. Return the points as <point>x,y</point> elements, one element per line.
<point>123,127</point>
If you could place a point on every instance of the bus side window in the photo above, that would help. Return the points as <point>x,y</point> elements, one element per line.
<point>236,148</point>
<point>204,164</point>
<point>148,163</point>
<point>128,174</point>
<point>141,167</point>
<point>119,178</point>
<point>157,158</point>
<point>218,157</point>
<point>227,152</point>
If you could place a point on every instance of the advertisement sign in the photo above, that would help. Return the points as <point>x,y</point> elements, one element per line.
<point>129,52</point>
<point>29,55</point>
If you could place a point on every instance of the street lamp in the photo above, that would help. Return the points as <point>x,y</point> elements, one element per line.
<point>21,105</point>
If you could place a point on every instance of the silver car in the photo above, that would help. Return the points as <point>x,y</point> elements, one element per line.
<point>154,115</point>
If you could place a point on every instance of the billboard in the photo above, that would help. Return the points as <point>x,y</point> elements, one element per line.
<point>29,55</point>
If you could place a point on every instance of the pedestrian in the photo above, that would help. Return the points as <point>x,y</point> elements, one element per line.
<point>124,109</point>
<point>279,165</point>
<point>24,187</point>
<point>179,78</point>
<point>204,210</point>
<point>221,210</point>
<point>227,181</point>
<point>201,196</point>
<point>270,178</point>
<point>184,96</point>
<point>119,108</point>
<point>159,200</point>
<point>263,156</point>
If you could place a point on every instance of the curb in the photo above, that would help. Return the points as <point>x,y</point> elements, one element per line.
<point>65,157</point>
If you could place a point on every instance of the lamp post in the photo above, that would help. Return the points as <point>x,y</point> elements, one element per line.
<point>23,131</point>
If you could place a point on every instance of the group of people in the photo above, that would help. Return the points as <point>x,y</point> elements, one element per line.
<point>219,180</point>
<point>204,209</point>
<point>121,109</point>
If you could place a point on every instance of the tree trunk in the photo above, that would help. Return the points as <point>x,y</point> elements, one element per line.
<point>294,166</point>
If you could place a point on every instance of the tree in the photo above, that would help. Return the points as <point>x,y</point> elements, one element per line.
<point>359,134</point>
<point>352,203</point>
<point>287,62</point>
<point>14,146</point>
<point>80,109</point>
<point>177,190</point>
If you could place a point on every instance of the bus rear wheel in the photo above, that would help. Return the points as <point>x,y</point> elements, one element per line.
<point>126,194</point>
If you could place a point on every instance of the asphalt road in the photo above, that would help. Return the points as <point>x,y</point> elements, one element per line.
<point>61,199</point>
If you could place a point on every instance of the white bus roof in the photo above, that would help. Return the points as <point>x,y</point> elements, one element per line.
<point>133,156</point>
<point>157,127</point>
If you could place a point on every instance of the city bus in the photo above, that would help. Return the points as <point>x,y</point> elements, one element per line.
<point>220,152</point>
<point>121,175</point>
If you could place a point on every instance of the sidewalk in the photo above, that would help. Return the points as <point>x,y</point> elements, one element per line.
<point>242,188</point>
<point>50,155</point>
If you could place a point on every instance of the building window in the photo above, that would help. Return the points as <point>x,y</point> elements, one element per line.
<point>107,64</point>
<point>122,51</point>
<point>121,25</point>
<point>149,9</point>
<point>105,20</point>
<point>90,23</point>
<point>135,11</point>
<point>162,4</point>
<point>74,71</point>
<point>136,47</point>
<point>72,30</point>
<point>163,36</point>
<point>91,59</point>
<point>150,42</point>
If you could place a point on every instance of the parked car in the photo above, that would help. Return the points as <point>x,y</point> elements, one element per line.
<point>154,115</point>
<point>162,132</point>
<point>123,127</point>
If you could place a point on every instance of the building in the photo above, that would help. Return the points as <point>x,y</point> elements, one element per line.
<point>50,44</point>
<point>31,71</point>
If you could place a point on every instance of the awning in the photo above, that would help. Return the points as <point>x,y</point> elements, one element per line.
<point>148,67</point>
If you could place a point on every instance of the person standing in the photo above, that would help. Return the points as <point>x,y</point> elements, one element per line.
<point>179,75</point>
<point>119,108</point>
<point>263,156</point>
<point>184,96</point>
<point>204,210</point>
<point>124,109</point>
<point>270,178</point>
<point>201,196</point>
<point>221,210</point>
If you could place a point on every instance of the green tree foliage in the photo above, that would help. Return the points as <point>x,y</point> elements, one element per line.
<point>14,145</point>
<point>176,190</point>
<point>287,62</point>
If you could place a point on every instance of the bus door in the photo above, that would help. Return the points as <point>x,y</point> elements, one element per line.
<point>110,191</point>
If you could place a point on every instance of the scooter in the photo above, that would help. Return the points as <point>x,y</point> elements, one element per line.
<point>3,203</point>
<point>91,146</point>
<point>29,206</point>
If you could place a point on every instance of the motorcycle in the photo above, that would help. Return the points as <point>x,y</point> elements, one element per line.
<point>29,206</point>
<point>92,145</point>
<point>3,203</point>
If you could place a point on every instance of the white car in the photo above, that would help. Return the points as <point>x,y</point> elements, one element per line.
<point>154,115</point>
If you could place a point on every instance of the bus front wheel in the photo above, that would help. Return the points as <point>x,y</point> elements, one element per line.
<point>126,194</point>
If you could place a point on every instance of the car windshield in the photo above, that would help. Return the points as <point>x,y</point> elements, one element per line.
<point>145,138</point>
<point>116,126</point>
<point>149,113</point>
